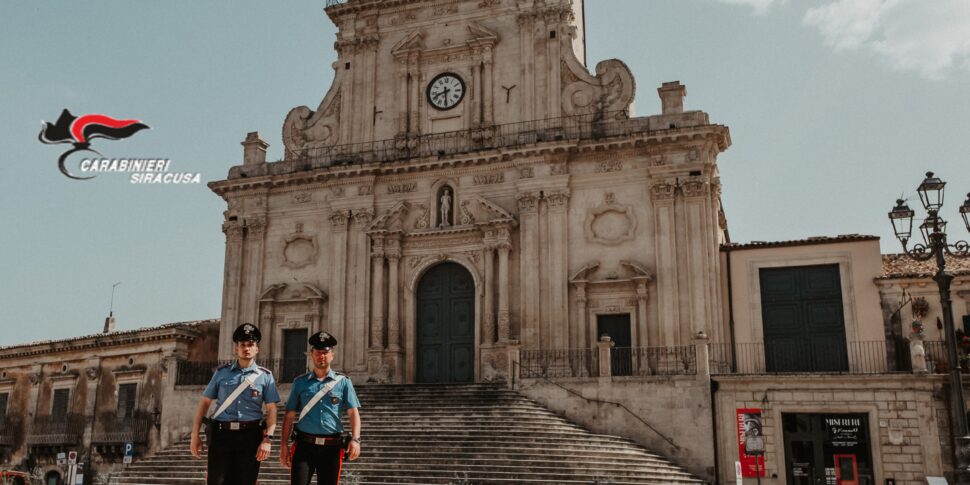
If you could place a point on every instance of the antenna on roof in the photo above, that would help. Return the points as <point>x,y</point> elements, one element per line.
<point>109,323</point>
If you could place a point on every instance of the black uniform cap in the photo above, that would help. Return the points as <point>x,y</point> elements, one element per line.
<point>247,332</point>
<point>322,341</point>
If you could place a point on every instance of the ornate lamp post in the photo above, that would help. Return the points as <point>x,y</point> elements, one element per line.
<point>934,247</point>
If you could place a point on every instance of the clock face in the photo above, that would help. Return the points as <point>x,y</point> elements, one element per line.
<point>446,91</point>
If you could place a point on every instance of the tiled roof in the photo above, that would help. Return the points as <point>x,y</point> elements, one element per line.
<point>902,266</point>
<point>120,333</point>
<point>799,242</point>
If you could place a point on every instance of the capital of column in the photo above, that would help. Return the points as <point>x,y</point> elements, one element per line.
<point>558,200</point>
<point>233,231</point>
<point>663,189</point>
<point>528,202</point>
<point>256,226</point>
<point>363,217</point>
<point>339,219</point>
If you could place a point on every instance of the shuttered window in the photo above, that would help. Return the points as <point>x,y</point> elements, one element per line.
<point>126,400</point>
<point>60,402</point>
<point>3,406</point>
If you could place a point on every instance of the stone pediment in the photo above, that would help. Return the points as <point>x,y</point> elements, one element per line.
<point>292,292</point>
<point>413,42</point>
<point>627,271</point>
<point>392,220</point>
<point>481,36</point>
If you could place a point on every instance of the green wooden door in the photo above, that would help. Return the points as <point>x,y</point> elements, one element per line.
<point>446,325</point>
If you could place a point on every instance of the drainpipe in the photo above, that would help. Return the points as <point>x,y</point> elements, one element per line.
<point>730,288</point>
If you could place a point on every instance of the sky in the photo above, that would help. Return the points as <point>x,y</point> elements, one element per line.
<point>836,108</point>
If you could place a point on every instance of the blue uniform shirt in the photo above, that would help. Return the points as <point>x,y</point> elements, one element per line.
<point>324,418</point>
<point>249,405</point>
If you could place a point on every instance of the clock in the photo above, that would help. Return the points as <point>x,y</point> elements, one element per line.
<point>446,91</point>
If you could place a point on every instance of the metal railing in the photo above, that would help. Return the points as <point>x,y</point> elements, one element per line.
<point>510,135</point>
<point>199,373</point>
<point>653,361</point>
<point>862,357</point>
<point>559,363</point>
<point>331,3</point>
<point>936,359</point>
<point>8,432</point>
<point>114,430</point>
<point>57,430</point>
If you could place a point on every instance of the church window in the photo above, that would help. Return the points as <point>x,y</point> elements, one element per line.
<point>126,400</point>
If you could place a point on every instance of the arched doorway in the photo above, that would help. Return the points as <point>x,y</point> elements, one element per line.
<point>446,325</point>
<point>52,478</point>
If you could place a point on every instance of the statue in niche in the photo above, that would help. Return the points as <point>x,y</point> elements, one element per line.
<point>445,209</point>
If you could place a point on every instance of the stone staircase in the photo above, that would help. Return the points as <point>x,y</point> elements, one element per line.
<point>455,434</point>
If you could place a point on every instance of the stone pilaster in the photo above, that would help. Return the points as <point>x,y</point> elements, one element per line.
<point>504,248</point>
<point>254,245</point>
<point>361,283</point>
<point>662,193</point>
<point>488,310</point>
<point>393,253</point>
<point>377,293</point>
<point>339,220</point>
<point>230,289</point>
<point>563,333</point>
<point>583,320</point>
<point>528,267</point>
<point>640,337</point>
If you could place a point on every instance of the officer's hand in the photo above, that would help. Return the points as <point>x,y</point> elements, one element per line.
<point>263,452</point>
<point>196,446</point>
<point>285,456</point>
<point>354,450</point>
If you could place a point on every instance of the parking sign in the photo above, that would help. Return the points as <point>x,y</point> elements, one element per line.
<point>72,458</point>
<point>129,452</point>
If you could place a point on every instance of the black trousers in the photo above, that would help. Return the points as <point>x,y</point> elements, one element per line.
<point>324,460</point>
<point>232,457</point>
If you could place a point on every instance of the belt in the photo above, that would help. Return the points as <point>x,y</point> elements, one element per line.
<point>318,440</point>
<point>237,425</point>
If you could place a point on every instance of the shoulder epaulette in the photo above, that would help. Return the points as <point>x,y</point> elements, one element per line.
<point>224,366</point>
<point>301,375</point>
<point>265,370</point>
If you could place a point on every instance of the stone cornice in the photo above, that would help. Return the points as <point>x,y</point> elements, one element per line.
<point>718,134</point>
<point>177,332</point>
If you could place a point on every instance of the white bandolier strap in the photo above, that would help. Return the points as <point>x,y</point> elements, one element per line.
<point>319,395</point>
<point>248,381</point>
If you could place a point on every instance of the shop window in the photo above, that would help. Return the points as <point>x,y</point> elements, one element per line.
<point>833,449</point>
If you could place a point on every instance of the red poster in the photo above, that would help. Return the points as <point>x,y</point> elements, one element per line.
<point>749,425</point>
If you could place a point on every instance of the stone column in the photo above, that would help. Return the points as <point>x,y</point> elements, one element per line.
<point>402,120</point>
<point>562,332</point>
<point>377,293</point>
<point>230,286</point>
<point>266,311</point>
<point>696,223</point>
<point>581,301</point>
<point>528,272</point>
<point>604,349</point>
<point>668,294</point>
<point>640,337</point>
<point>489,97</point>
<point>393,252</point>
<point>415,111</point>
<point>503,291</point>
<point>702,356</point>
<point>255,237</point>
<point>339,219</point>
<point>477,94</point>
<point>488,311</point>
<point>361,283</point>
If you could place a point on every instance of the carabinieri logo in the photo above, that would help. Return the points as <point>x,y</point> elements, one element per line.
<point>79,131</point>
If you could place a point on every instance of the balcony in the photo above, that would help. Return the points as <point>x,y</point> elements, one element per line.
<point>8,432</point>
<point>592,126</point>
<point>199,373</point>
<point>863,357</point>
<point>50,434</point>
<point>112,433</point>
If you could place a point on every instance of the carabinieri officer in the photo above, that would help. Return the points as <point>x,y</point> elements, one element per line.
<point>316,401</point>
<point>238,439</point>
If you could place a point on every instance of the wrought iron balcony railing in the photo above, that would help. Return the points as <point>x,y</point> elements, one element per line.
<point>57,430</point>
<point>113,430</point>
<point>623,361</point>
<point>862,357</point>
<point>8,432</point>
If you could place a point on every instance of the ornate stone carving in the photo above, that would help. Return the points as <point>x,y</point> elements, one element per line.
<point>528,202</point>
<point>488,3</point>
<point>299,250</point>
<point>557,200</point>
<point>610,223</point>
<point>424,217</point>
<point>495,178</point>
<point>559,169</point>
<point>34,377</point>
<point>233,231</point>
<point>304,130</point>
<point>658,160</point>
<point>256,226</point>
<point>402,188</point>
<point>363,217</point>
<point>526,172</point>
<point>466,215</point>
<point>301,197</point>
<point>695,187</point>
<point>338,191</point>
<point>608,166</point>
<point>92,373</point>
<point>611,91</point>
<point>339,219</point>
<point>365,190</point>
<point>663,190</point>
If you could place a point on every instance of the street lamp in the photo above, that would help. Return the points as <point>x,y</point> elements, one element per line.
<point>934,247</point>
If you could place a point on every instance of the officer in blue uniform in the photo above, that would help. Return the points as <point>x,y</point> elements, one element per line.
<point>316,402</point>
<point>238,437</point>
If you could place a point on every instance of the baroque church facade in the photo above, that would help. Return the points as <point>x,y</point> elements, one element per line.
<point>468,189</point>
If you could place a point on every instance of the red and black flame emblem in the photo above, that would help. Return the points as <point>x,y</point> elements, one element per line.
<point>79,131</point>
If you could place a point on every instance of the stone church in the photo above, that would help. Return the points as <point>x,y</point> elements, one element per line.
<point>468,189</point>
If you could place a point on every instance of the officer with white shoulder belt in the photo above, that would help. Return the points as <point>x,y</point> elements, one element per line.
<point>237,435</point>
<point>316,402</point>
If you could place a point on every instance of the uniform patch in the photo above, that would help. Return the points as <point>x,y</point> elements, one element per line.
<point>255,393</point>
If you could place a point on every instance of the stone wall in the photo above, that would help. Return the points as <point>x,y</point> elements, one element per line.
<point>670,416</point>
<point>902,414</point>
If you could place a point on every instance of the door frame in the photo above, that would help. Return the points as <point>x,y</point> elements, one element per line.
<point>409,334</point>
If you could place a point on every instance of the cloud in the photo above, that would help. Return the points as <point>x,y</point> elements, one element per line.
<point>931,37</point>
<point>760,6</point>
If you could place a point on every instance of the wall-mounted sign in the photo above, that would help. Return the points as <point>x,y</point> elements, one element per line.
<point>750,426</point>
